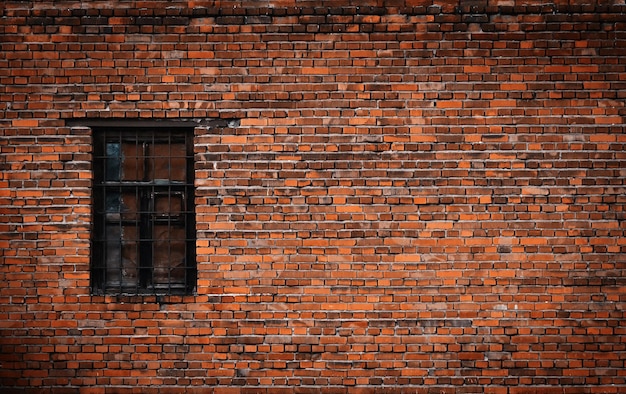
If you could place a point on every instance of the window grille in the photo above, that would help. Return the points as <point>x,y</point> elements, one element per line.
<point>144,231</point>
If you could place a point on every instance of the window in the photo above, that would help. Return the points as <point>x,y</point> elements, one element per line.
<point>144,232</point>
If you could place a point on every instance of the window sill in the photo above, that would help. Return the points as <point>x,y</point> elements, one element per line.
<point>144,299</point>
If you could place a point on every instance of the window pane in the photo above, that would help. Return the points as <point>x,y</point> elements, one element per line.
<point>168,162</point>
<point>130,205</point>
<point>170,205</point>
<point>121,256</point>
<point>133,161</point>
<point>112,202</point>
<point>169,255</point>
<point>113,160</point>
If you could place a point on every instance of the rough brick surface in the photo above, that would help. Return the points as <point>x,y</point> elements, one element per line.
<point>398,196</point>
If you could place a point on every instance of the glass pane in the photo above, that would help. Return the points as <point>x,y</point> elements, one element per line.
<point>133,161</point>
<point>168,162</point>
<point>169,255</point>
<point>130,206</point>
<point>168,205</point>
<point>112,162</point>
<point>121,256</point>
<point>112,202</point>
<point>113,256</point>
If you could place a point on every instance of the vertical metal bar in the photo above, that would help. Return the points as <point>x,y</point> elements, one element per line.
<point>145,231</point>
<point>150,174</point>
<point>119,177</point>
<point>188,215</point>
<point>102,236</point>
<point>169,217</point>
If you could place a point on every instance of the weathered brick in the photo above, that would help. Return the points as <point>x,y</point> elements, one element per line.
<point>407,197</point>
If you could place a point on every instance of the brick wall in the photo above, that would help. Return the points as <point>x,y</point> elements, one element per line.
<point>415,197</point>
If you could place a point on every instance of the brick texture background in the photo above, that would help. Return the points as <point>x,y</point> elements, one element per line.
<point>398,196</point>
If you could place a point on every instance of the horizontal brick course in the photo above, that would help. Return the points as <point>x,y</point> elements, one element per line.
<point>398,197</point>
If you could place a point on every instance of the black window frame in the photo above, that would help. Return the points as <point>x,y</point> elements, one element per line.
<point>146,192</point>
